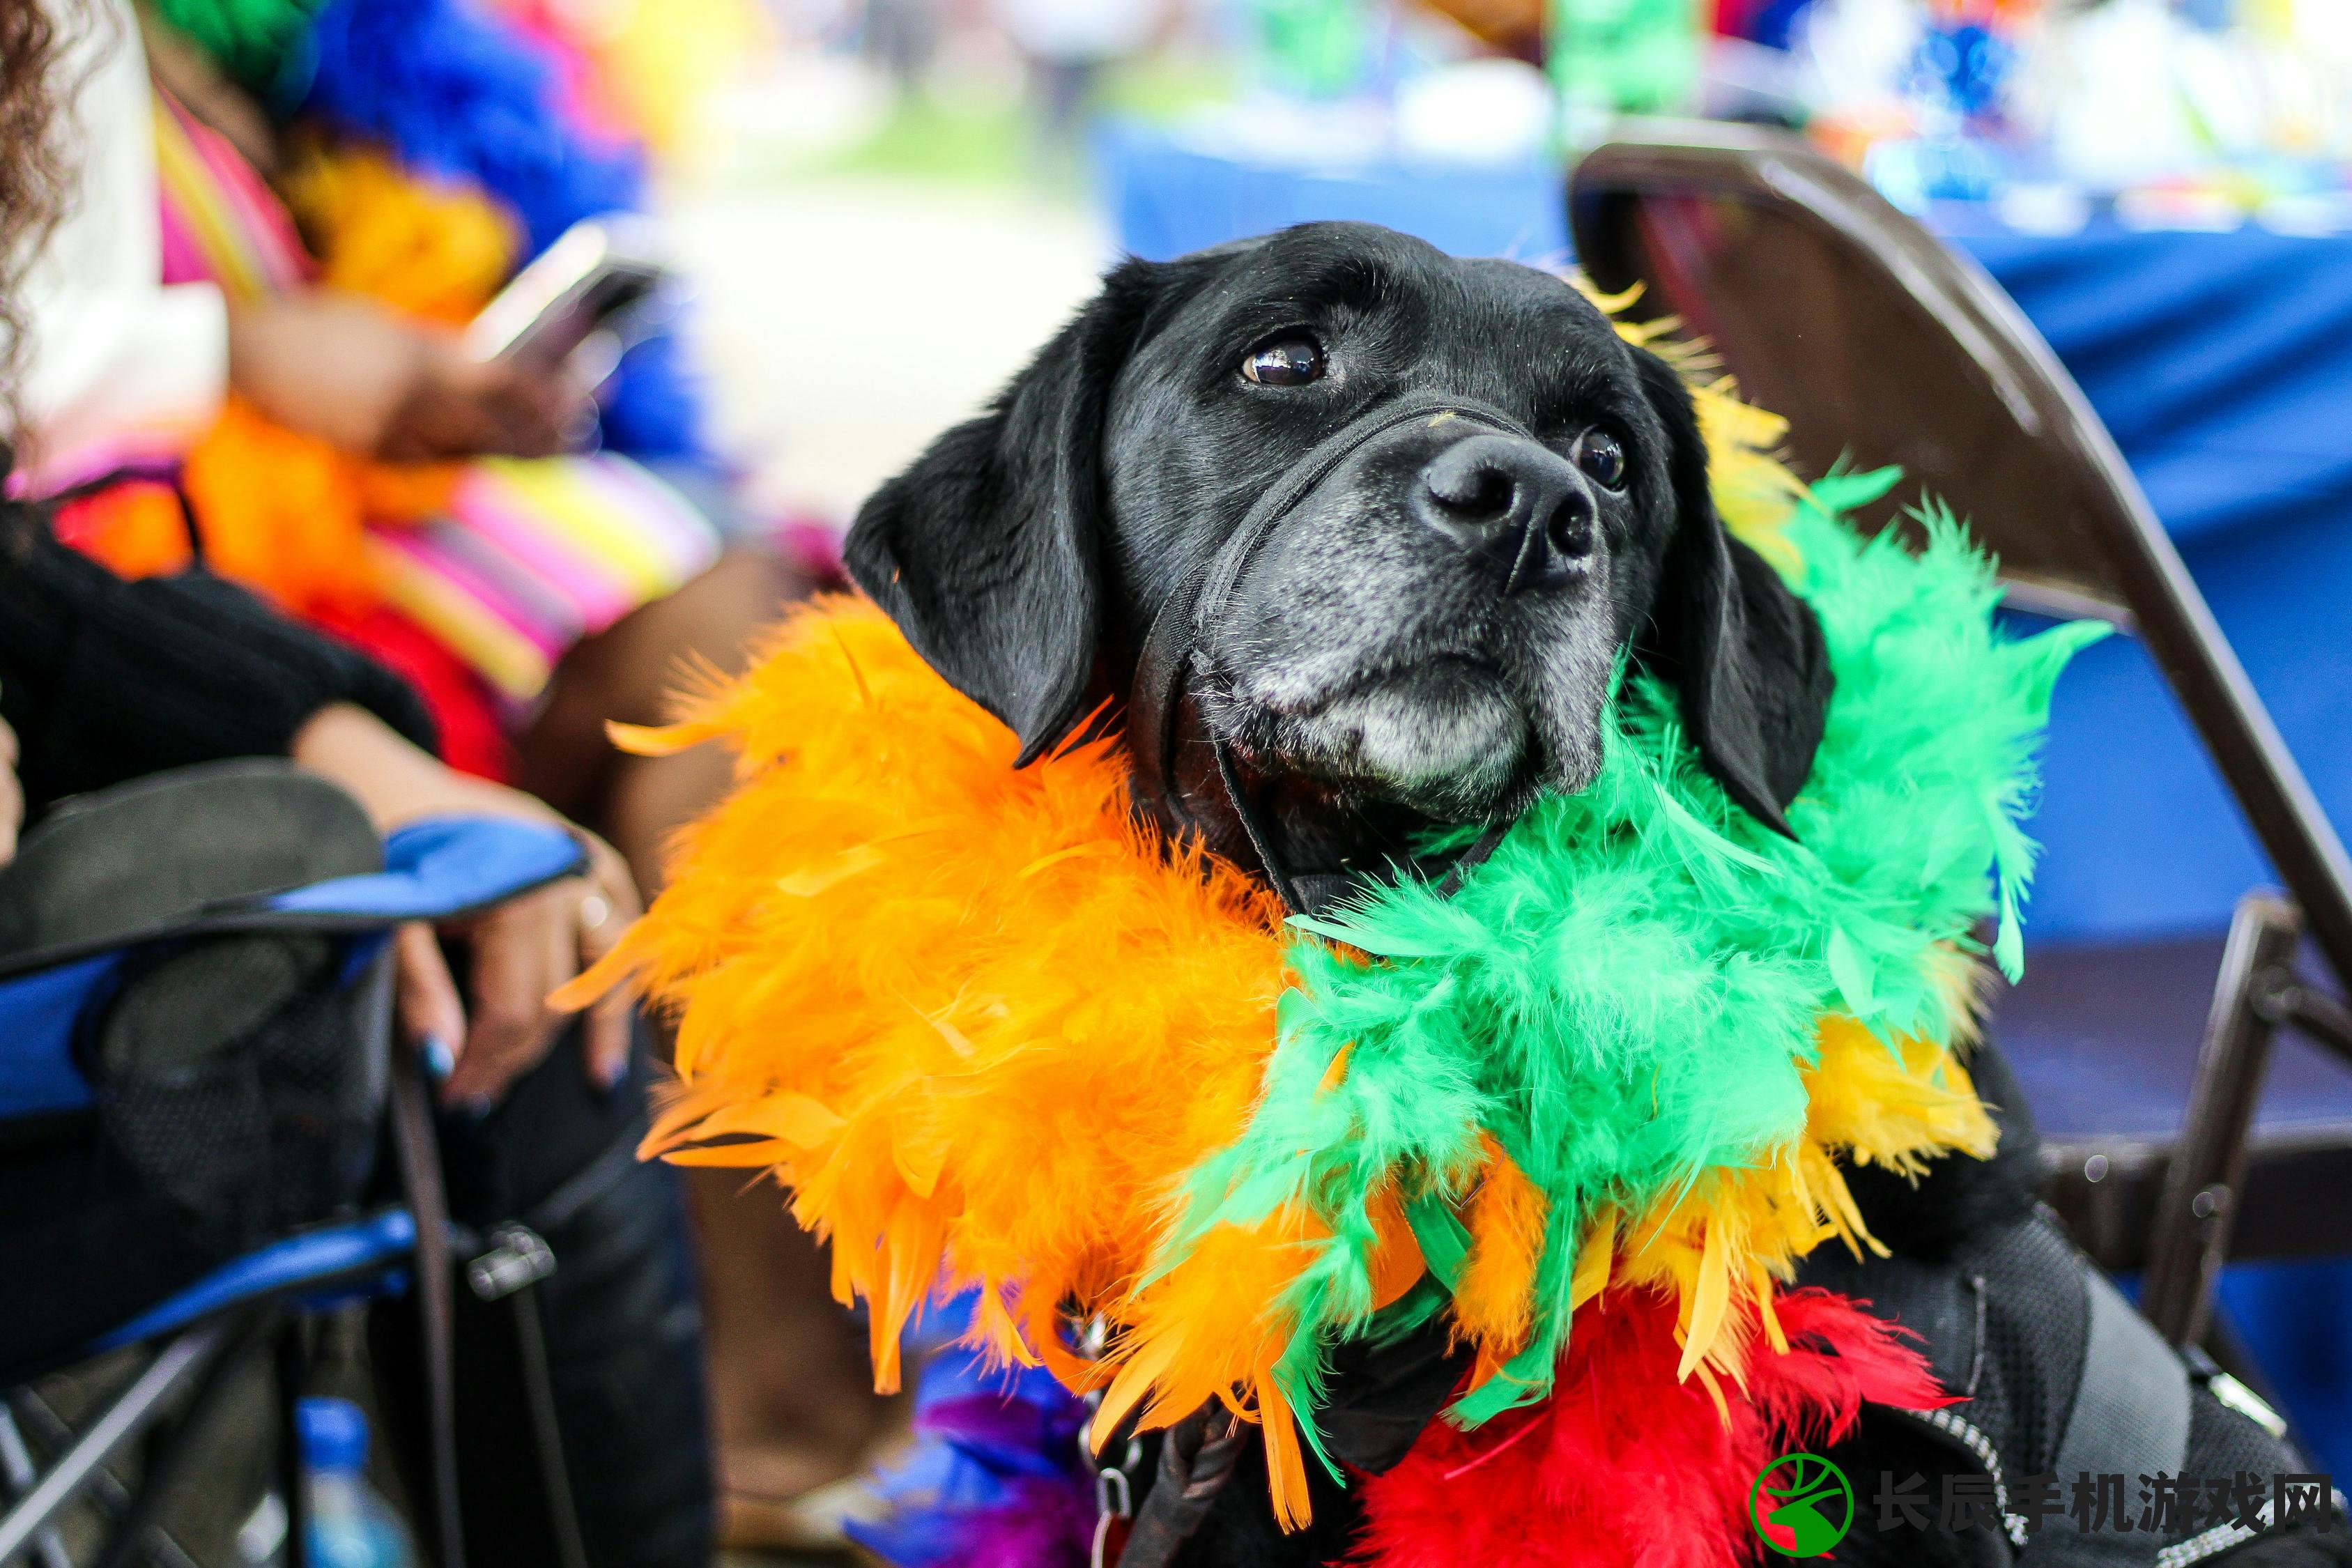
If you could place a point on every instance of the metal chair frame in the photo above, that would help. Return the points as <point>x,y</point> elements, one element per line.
<point>2094,546</point>
<point>203,1332</point>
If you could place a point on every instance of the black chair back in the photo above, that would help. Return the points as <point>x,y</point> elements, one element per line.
<point>1880,344</point>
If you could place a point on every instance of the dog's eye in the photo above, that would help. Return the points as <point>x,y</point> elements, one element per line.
<point>1600,456</point>
<point>1286,361</point>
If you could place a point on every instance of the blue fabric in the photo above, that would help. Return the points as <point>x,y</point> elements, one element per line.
<point>312,1258</point>
<point>1166,198</point>
<point>2222,362</point>
<point>37,1016</point>
<point>443,867</point>
<point>459,92</point>
<point>433,870</point>
<point>2291,1318</point>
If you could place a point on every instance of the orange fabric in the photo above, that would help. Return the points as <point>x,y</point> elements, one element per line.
<point>285,513</point>
<point>977,1020</point>
<point>133,530</point>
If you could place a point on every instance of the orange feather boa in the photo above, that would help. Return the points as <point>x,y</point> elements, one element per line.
<point>981,1023</point>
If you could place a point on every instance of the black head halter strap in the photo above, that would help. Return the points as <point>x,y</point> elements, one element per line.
<point>1171,649</point>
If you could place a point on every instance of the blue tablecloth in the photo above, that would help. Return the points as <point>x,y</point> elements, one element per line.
<point>2222,362</point>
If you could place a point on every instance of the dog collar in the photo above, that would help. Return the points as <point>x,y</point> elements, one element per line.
<point>1172,652</point>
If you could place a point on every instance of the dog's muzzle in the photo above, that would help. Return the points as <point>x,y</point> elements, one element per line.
<point>1170,657</point>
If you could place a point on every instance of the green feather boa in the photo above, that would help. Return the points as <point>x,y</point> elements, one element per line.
<point>1626,994</point>
<point>249,39</point>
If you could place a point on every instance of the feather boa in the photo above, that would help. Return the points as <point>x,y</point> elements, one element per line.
<point>996,1476</point>
<point>1626,1467</point>
<point>461,94</point>
<point>993,1035</point>
<point>466,97</point>
<point>249,39</point>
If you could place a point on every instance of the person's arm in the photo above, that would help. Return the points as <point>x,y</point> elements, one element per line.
<point>113,358</point>
<point>115,363</point>
<point>523,950</point>
<point>106,681</point>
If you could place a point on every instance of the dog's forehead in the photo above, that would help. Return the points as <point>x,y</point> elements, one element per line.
<point>1477,316</point>
<point>1366,265</point>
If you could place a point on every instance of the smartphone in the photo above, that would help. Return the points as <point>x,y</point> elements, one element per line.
<point>603,278</point>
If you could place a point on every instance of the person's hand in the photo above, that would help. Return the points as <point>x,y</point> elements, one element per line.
<point>356,375</point>
<point>520,951</point>
<point>463,407</point>
<point>12,795</point>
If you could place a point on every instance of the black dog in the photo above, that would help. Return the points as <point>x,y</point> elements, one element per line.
<point>1357,533</point>
<point>1428,633</point>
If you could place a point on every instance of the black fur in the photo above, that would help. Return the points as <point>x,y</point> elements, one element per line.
<point>1753,669</point>
<point>1373,674</point>
<point>987,551</point>
<point>1383,664</point>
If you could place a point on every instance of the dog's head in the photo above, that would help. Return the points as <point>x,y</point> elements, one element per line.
<point>1433,622</point>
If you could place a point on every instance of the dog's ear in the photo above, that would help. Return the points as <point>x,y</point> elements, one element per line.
<point>1746,652</point>
<point>986,552</point>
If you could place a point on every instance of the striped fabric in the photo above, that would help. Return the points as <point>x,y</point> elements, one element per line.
<point>221,223</point>
<point>528,557</point>
<point>533,556</point>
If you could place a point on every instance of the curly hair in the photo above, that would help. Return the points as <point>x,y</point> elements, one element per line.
<point>34,34</point>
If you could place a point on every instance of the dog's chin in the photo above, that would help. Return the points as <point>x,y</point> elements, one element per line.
<point>1446,739</point>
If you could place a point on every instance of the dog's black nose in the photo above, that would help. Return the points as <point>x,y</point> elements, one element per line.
<point>1518,505</point>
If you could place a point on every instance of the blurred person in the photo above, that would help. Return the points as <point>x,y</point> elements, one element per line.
<point>902,36</point>
<point>103,680</point>
<point>246,352</point>
<point>1067,44</point>
<point>345,456</point>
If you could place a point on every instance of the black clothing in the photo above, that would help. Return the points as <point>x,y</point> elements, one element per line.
<point>621,1323</point>
<point>105,681</point>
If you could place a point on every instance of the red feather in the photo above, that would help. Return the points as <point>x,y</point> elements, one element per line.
<point>1625,1467</point>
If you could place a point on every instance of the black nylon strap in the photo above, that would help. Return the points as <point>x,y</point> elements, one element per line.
<point>418,1157</point>
<point>1172,644</point>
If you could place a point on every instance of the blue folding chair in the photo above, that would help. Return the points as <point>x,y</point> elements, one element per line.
<point>50,1002</point>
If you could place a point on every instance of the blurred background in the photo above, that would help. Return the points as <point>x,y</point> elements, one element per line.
<point>853,179</point>
<point>876,210</point>
<point>887,206</point>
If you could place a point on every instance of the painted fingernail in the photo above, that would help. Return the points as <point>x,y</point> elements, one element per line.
<point>440,1061</point>
<point>478,1107</point>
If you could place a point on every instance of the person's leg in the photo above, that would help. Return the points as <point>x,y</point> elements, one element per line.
<point>794,1404</point>
<point>791,1390</point>
<point>631,672</point>
<point>618,1321</point>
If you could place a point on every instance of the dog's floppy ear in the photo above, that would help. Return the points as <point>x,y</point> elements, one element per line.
<point>1745,651</point>
<point>986,551</point>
